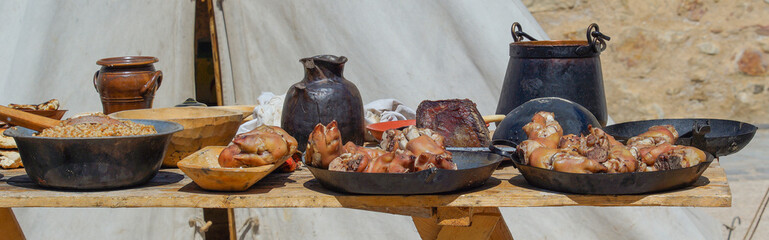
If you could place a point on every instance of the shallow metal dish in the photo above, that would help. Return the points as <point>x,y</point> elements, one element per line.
<point>93,163</point>
<point>607,183</point>
<point>475,166</point>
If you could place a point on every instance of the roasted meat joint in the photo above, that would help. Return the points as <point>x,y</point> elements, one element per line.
<point>410,150</point>
<point>598,152</point>
<point>261,146</point>
<point>457,120</point>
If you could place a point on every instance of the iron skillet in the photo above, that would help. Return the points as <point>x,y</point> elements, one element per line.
<point>716,136</point>
<point>605,183</point>
<point>475,166</point>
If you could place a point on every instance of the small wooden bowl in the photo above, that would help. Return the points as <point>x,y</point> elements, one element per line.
<point>54,114</point>
<point>204,169</point>
<point>377,129</point>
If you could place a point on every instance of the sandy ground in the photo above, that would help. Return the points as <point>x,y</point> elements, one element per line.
<point>749,181</point>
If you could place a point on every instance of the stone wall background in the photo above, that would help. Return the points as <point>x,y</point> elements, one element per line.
<point>671,59</point>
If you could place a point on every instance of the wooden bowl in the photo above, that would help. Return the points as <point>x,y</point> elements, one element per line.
<point>246,110</point>
<point>202,127</point>
<point>377,129</point>
<point>55,114</point>
<point>204,169</point>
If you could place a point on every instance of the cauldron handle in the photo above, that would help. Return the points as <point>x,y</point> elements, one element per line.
<point>518,33</point>
<point>595,38</point>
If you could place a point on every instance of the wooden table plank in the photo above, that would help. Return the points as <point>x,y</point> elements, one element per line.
<point>506,188</point>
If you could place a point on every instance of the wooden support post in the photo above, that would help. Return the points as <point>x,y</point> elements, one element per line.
<point>215,49</point>
<point>231,223</point>
<point>454,216</point>
<point>9,227</point>
<point>485,223</point>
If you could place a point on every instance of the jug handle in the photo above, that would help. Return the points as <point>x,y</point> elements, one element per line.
<point>157,77</point>
<point>95,75</point>
<point>518,33</point>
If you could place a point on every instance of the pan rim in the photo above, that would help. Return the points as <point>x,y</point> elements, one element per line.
<point>174,127</point>
<point>750,128</point>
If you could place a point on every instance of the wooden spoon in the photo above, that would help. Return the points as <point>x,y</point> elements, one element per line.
<point>27,120</point>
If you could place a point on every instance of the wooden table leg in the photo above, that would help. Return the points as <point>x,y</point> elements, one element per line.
<point>485,223</point>
<point>9,227</point>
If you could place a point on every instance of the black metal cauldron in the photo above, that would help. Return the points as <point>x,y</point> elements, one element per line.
<point>566,69</point>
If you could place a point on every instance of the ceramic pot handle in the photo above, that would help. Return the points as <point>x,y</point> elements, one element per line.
<point>153,84</point>
<point>96,75</point>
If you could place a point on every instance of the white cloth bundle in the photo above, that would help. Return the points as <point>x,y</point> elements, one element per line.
<point>268,112</point>
<point>385,110</point>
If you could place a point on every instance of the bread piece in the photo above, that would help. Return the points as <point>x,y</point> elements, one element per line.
<point>6,142</point>
<point>10,159</point>
<point>52,104</point>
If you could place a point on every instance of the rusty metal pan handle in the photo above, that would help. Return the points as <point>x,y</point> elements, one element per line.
<point>518,33</point>
<point>699,130</point>
<point>504,142</point>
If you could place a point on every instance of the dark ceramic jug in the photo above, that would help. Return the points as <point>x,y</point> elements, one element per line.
<point>566,69</point>
<point>126,83</point>
<point>322,96</point>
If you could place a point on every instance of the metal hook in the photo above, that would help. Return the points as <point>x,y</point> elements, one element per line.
<point>732,227</point>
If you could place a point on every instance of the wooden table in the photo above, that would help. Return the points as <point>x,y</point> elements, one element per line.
<point>436,216</point>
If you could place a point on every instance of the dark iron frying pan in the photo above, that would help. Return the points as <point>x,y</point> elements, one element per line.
<point>605,183</point>
<point>716,136</point>
<point>475,166</point>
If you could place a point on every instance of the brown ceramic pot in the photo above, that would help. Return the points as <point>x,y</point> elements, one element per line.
<point>126,83</point>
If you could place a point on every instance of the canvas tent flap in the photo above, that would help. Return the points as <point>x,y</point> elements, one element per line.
<point>50,48</point>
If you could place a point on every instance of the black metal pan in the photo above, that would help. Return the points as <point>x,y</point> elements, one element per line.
<point>716,136</point>
<point>605,183</point>
<point>475,166</point>
<point>94,163</point>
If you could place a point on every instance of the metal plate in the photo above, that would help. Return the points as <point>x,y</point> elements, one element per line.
<point>606,183</point>
<point>613,183</point>
<point>475,166</point>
